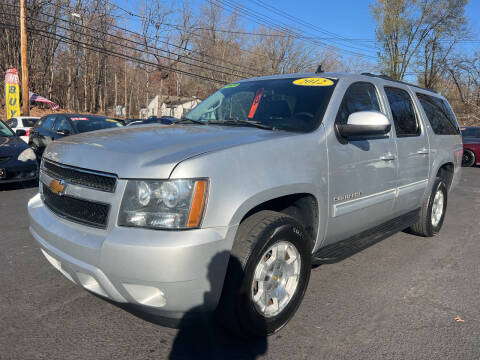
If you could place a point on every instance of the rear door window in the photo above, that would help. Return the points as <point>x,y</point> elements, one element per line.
<point>439,115</point>
<point>29,122</point>
<point>360,96</point>
<point>403,112</point>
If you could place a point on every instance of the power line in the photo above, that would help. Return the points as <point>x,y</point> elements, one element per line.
<point>146,51</point>
<point>236,65</point>
<point>67,40</point>
<point>260,20</point>
<point>192,33</point>
<point>267,21</point>
<point>136,49</point>
<point>305,23</point>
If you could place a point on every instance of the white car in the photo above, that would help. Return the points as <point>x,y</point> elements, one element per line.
<point>23,123</point>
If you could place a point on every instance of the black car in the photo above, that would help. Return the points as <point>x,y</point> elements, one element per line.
<point>165,120</point>
<point>17,160</point>
<point>56,126</point>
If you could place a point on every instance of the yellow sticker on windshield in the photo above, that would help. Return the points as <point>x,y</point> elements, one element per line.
<point>313,82</point>
<point>231,86</point>
<point>111,120</point>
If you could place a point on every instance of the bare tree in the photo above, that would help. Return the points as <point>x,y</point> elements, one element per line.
<point>404,26</point>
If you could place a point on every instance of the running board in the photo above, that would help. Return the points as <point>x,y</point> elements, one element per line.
<point>345,248</point>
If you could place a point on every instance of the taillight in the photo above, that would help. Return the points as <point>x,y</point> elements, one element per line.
<point>28,131</point>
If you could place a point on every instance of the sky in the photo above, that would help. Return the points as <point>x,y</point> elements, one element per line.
<point>350,19</point>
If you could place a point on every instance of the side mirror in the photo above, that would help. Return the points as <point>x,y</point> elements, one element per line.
<point>63,132</point>
<point>21,133</point>
<point>364,124</point>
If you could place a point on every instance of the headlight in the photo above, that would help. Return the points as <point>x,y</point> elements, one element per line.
<point>26,155</point>
<point>169,204</point>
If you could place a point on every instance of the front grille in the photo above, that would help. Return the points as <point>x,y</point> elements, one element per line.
<point>92,180</point>
<point>4,159</point>
<point>82,211</point>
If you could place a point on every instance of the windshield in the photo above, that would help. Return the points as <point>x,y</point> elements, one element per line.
<point>5,131</point>
<point>471,132</point>
<point>286,104</point>
<point>85,124</point>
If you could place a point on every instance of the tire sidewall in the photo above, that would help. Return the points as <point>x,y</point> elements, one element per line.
<point>250,319</point>
<point>438,185</point>
<point>472,159</point>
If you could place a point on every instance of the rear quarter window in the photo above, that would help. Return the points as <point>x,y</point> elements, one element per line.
<point>29,122</point>
<point>439,115</point>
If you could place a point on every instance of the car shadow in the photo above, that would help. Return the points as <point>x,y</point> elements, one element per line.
<point>19,185</point>
<point>200,335</point>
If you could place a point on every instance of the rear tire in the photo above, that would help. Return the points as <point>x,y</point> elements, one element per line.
<point>433,211</point>
<point>267,275</point>
<point>468,159</point>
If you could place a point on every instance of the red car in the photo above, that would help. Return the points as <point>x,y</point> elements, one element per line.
<point>471,145</point>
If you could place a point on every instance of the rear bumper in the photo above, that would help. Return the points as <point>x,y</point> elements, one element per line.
<point>168,272</point>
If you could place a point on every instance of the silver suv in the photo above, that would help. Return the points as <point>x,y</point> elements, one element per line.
<point>226,211</point>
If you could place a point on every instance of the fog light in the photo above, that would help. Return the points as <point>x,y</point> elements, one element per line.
<point>146,295</point>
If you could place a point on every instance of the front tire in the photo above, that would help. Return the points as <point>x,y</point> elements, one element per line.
<point>468,159</point>
<point>433,211</point>
<point>267,276</point>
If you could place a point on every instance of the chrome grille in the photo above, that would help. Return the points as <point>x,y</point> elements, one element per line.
<point>94,180</point>
<point>85,212</point>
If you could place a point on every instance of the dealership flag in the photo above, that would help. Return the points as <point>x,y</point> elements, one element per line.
<point>37,98</point>
<point>12,93</point>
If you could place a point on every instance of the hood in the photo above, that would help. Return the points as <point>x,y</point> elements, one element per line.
<point>149,151</point>
<point>11,145</point>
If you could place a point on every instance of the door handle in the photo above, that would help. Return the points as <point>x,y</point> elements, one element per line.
<point>423,151</point>
<point>388,157</point>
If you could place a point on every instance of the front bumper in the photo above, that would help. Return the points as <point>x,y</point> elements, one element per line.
<point>17,171</point>
<point>170,272</point>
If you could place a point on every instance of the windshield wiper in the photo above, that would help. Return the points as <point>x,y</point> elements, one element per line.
<point>185,119</point>
<point>237,122</point>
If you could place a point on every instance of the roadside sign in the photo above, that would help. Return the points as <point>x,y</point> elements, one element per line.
<point>12,93</point>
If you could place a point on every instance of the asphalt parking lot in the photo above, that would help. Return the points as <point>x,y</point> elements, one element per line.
<point>395,300</point>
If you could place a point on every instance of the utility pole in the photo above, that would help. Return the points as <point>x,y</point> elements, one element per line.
<point>125,66</point>
<point>24,54</point>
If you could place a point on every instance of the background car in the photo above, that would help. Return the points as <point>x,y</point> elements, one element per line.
<point>131,120</point>
<point>56,126</point>
<point>23,123</point>
<point>471,145</point>
<point>165,120</point>
<point>17,159</point>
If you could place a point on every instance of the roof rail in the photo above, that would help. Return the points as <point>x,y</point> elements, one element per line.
<point>386,77</point>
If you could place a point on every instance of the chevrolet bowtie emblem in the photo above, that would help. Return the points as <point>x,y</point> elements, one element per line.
<point>57,186</point>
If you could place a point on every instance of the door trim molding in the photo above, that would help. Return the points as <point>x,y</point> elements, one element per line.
<point>349,206</point>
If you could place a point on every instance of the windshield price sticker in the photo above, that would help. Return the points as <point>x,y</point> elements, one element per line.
<point>256,101</point>
<point>79,118</point>
<point>313,82</point>
<point>231,85</point>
